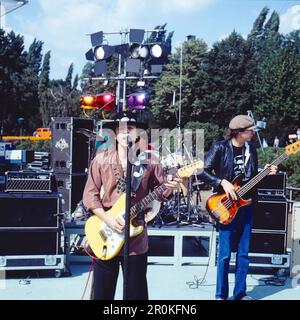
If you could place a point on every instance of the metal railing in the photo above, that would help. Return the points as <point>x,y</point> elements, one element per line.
<point>290,193</point>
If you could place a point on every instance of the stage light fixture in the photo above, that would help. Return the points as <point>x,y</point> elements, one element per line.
<point>105,101</point>
<point>137,51</point>
<point>103,52</point>
<point>122,49</point>
<point>87,102</point>
<point>137,100</point>
<point>134,51</point>
<point>136,35</point>
<point>99,53</point>
<point>97,38</point>
<point>90,55</point>
<point>156,51</point>
<point>144,52</point>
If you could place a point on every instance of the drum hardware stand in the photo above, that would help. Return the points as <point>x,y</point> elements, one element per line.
<point>190,190</point>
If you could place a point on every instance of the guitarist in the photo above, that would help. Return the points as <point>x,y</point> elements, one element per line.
<point>225,161</point>
<point>107,171</point>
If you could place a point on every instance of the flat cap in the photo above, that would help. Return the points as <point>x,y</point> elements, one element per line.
<point>242,122</point>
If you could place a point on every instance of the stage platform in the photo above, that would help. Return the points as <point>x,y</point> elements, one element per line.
<point>165,282</point>
<point>176,244</point>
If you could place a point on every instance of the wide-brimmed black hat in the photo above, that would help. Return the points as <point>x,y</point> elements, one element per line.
<point>128,118</point>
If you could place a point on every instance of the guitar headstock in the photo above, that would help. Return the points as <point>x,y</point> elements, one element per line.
<point>188,170</point>
<point>292,148</point>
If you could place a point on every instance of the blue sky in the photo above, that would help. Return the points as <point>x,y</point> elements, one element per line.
<point>63,24</point>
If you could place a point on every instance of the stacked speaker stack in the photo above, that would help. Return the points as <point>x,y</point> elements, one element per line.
<point>30,227</point>
<point>270,223</point>
<point>70,157</point>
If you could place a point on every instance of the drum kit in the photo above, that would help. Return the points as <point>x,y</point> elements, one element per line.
<point>184,208</point>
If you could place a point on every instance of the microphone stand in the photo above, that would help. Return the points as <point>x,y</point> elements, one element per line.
<point>127,220</point>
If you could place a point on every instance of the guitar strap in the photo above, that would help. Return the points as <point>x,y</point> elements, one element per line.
<point>121,182</point>
<point>139,167</point>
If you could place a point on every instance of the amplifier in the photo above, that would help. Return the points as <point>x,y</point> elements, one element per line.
<point>27,242</point>
<point>272,185</point>
<point>28,181</point>
<point>70,151</point>
<point>263,242</point>
<point>270,215</point>
<point>31,211</point>
<point>71,187</point>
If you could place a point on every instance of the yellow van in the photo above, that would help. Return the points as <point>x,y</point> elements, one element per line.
<point>43,132</point>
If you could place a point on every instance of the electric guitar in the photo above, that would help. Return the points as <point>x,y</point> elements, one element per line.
<point>224,209</point>
<point>107,243</point>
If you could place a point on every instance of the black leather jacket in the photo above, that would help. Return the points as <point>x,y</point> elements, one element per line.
<point>219,164</point>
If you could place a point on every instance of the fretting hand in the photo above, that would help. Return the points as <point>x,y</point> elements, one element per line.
<point>172,182</point>
<point>273,169</point>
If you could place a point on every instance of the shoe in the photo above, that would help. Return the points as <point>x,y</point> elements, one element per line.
<point>220,298</point>
<point>247,298</point>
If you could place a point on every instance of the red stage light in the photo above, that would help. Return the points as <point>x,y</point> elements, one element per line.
<point>105,101</point>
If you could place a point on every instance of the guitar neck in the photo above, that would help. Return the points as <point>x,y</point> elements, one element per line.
<point>142,204</point>
<point>185,172</point>
<point>254,181</point>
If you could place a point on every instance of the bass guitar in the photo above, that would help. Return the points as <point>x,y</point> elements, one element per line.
<point>224,209</point>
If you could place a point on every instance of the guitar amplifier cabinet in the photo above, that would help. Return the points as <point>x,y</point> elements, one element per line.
<point>271,215</point>
<point>28,242</point>
<point>30,224</point>
<point>28,181</point>
<point>263,242</point>
<point>70,148</point>
<point>31,211</point>
<point>272,185</point>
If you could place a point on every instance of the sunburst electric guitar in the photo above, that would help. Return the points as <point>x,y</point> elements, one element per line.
<point>107,243</point>
<point>224,210</point>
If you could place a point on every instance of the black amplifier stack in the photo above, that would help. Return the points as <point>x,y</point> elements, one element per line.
<point>31,223</point>
<point>270,220</point>
<point>70,157</point>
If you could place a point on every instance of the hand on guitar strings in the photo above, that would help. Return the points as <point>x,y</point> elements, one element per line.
<point>273,169</point>
<point>172,183</point>
<point>229,190</point>
<point>115,223</point>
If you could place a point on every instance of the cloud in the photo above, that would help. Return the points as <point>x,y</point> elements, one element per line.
<point>63,25</point>
<point>186,5</point>
<point>290,20</point>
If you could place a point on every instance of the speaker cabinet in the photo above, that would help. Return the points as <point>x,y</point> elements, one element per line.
<point>22,242</point>
<point>272,183</point>
<point>30,224</point>
<point>71,189</point>
<point>70,147</point>
<point>270,216</point>
<point>273,243</point>
<point>29,210</point>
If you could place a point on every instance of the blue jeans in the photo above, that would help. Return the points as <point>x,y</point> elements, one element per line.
<point>234,237</point>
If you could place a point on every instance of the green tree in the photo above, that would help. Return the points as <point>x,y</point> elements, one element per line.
<point>162,106</point>
<point>277,93</point>
<point>12,66</point>
<point>228,81</point>
<point>211,132</point>
<point>69,77</point>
